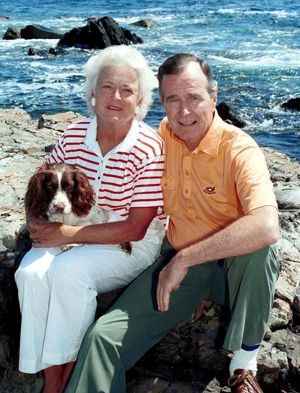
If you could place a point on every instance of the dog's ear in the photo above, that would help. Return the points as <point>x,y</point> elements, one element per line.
<point>83,196</point>
<point>36,203</point>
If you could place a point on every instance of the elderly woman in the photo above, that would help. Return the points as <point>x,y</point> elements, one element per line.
<point>123,158</point>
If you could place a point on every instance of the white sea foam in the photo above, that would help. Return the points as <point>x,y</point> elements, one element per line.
<point>279,13</point>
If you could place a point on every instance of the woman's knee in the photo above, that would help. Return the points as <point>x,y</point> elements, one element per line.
<point>35,265</point>
<point>30,272</point>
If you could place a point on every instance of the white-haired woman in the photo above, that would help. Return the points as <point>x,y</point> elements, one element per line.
<point>123,158</point>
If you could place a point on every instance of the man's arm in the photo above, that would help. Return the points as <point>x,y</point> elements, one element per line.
<point>52,234</point>
<point>256,230</point>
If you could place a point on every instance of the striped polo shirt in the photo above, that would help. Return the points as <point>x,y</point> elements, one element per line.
<point>127,176</point>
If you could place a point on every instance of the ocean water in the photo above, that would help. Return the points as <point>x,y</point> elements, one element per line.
<point>252,46</point>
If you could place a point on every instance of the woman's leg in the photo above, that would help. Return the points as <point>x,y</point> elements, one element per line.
<point>33,292</point>
<point>67,371</point>
<point>75,278</point>
<point>53,377</point>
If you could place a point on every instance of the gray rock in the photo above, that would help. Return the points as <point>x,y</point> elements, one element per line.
<point>288,198</point>
<point>145,23</point>
<point>191,351</point>
<point>281,314</point>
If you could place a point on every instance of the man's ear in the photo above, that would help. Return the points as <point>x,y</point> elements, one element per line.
<point>214,97</point>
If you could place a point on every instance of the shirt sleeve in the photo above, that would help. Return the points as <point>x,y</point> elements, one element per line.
<point>58,153</point>
<point>253,183</point>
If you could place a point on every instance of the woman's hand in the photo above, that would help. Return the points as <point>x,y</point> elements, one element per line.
<point>49,234</point>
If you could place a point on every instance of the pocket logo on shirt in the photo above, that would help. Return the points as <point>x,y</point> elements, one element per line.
<point>210,190</point>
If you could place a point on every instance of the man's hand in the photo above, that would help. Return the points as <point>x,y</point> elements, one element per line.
<point>169,280</point>
<point>46,234</point>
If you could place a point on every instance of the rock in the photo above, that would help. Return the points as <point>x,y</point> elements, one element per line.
<point>281,314</point>
<point>31,52</point>
<point>272,364</point>
<point>38,32</point>
<point>226,113</point>
<point>99,33</point>
<point>3,17</point>
<point>293,103</point>
<point>58,121</point>
<point>287,282</point>
<point>12,33</point>
<point>145,23</point>
<point>43,52</point>
<point>288,198</point>
<point>189,358</point>
<point>153,385</point>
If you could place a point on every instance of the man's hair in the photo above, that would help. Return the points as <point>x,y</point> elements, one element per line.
<point>175,64</point>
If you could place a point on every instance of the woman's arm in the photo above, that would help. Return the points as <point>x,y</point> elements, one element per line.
<point>52,234</point>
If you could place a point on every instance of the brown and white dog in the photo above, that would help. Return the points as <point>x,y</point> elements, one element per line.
<point>62,193</point>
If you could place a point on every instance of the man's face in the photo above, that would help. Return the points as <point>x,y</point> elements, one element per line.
<point>188,105</point>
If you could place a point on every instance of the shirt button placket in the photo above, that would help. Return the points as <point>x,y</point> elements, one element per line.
<point>187,181</point>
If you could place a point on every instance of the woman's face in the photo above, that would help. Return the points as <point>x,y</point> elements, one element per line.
<point>117,96</point>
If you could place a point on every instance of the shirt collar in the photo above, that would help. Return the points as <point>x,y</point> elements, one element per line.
<point>127,143</point>
<point>211,142</point>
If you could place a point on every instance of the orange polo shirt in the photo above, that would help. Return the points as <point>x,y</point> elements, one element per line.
<point>214,185</point>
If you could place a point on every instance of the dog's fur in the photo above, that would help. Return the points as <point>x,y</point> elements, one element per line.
<point>62,193</point>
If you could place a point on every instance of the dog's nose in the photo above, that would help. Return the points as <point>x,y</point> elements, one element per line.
<point>59,207</point>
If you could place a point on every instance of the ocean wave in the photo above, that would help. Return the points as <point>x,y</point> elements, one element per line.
<point>243,11</point>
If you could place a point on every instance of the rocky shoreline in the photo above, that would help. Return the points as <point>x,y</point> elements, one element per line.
<point>189,359</point>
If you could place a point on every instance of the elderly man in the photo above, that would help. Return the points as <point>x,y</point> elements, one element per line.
<point>222,222</point>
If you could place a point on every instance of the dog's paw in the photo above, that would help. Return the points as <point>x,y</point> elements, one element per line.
<point>127,247</point>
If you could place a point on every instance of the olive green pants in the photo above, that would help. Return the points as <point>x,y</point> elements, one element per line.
<point>120,337</point>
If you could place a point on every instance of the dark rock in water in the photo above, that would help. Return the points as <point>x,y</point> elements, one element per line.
<point>53,51</point>
<point>99,33</point>
<point>145,23</point>
<point>12,33</point>
<point>293,103</point>
<point>69,39</point>
<point>37,31</point>
<point>31,52</point>
<point>43,52</point>
<point>226,113</point>
<point>135,39</point>
<point>4,17</point>
<point>114,31</point>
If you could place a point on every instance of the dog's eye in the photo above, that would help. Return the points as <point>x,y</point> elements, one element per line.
<point>50,186</point>
<point>69,188</point>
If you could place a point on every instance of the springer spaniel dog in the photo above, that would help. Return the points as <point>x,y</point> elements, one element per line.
<point>62,193</point>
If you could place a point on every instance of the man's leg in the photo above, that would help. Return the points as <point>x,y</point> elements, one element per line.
<point>120,337</point>
<point>251,283</point>
<point>251,287</point>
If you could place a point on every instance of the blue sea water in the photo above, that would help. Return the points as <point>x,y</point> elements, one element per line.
<point>252,46</point>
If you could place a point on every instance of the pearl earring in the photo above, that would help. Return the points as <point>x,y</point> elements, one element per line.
<point>93,101</point>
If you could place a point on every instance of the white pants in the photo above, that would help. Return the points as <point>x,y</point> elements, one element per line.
<point>57,295</point>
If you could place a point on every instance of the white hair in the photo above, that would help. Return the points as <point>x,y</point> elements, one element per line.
<point>127,56</point>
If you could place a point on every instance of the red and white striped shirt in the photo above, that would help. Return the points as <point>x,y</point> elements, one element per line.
<point>127,176</point>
